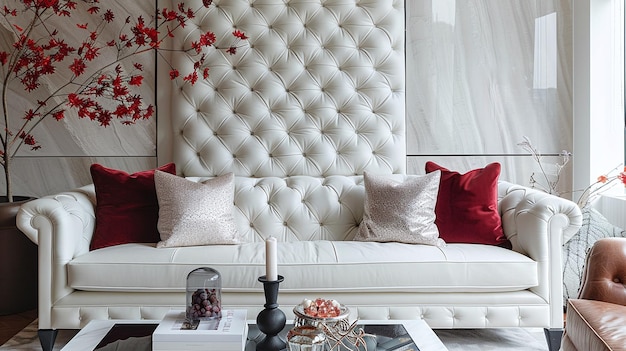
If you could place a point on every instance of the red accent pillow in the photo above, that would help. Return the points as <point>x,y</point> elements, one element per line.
<point>127,209</point>
<point>467,206</point>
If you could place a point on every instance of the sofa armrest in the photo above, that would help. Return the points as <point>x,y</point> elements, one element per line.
<point>541,213</point>
<point>62,226</point>
<point>538,224</point>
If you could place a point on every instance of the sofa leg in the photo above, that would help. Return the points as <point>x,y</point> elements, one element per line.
<point>46,338</point>
<point>553,337</point>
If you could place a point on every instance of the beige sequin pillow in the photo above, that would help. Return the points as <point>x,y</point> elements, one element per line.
<point>400,209</point>
<point>193,213</point>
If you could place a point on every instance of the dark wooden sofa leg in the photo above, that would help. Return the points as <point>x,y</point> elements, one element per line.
<point>46,338</point>
<point>553,337</point>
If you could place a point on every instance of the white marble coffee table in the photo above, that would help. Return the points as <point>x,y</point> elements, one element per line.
<point>91,335</point>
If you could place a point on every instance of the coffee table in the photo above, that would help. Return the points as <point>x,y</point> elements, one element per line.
<point>93,333</point>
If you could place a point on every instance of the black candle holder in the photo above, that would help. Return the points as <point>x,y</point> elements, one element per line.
<point>271,320</point>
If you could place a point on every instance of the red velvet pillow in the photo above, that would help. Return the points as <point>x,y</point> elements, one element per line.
<point>127,209</point>
<point>467,206</point>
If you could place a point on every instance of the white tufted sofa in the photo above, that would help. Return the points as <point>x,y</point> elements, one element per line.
<point>315,99</point>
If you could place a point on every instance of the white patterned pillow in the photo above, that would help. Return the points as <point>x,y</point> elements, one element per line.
<point>400,210</point>
<point>193,213</point>
<point>595,226</point>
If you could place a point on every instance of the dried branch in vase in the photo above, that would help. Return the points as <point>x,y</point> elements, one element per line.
<point>587,195</point>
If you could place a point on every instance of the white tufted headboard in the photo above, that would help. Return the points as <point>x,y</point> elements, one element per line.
<point>318,91</point>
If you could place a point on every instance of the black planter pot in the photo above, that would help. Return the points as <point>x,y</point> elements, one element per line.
<point>18,262</point>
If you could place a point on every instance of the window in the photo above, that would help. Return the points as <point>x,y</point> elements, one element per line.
<point>599,117</point>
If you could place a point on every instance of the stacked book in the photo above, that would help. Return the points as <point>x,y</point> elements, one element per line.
<point>226,334</point>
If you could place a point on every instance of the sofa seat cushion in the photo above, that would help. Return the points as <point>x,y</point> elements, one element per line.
<point>595,325</point>
<point>324,266</point>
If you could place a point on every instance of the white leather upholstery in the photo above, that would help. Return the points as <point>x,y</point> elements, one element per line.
<point>321,266</point>
<point>535,222</point>
<point>318,91</point>
<point>314,101</point>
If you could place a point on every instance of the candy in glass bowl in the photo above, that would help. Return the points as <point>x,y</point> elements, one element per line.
<point>321,311</point>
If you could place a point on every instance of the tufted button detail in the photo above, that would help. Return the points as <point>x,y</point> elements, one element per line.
<point>284,224</point>
<point>299,97</point>
<point>616,280</point>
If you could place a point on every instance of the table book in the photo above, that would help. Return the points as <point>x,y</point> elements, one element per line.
<point>228,333</point>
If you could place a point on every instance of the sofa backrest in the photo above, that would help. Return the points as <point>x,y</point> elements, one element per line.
<point>299,207</point>
<point>317,90</point>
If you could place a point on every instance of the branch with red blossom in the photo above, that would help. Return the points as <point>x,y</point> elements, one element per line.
<point>40,51</point>
<point>603,183</point>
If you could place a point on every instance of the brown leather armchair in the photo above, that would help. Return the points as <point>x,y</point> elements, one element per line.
<point>597,319</point>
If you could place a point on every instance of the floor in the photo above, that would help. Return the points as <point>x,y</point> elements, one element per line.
<point>13,323</point>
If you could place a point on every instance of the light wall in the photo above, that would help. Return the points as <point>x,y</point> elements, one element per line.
<point>481,74</point>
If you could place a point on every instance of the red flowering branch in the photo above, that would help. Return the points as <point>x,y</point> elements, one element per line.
<point>602,184</point>
<point>96,85</point>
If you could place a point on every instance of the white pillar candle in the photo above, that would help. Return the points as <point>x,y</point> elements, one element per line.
<point>271,259</point>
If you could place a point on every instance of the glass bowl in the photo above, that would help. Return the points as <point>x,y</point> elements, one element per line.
<point>340,321</point>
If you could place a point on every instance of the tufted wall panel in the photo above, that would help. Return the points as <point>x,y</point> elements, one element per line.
<point>317,90</point>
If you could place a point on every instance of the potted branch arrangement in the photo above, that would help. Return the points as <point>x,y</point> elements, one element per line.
<point>548,180</point>
<point>99,74</point>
